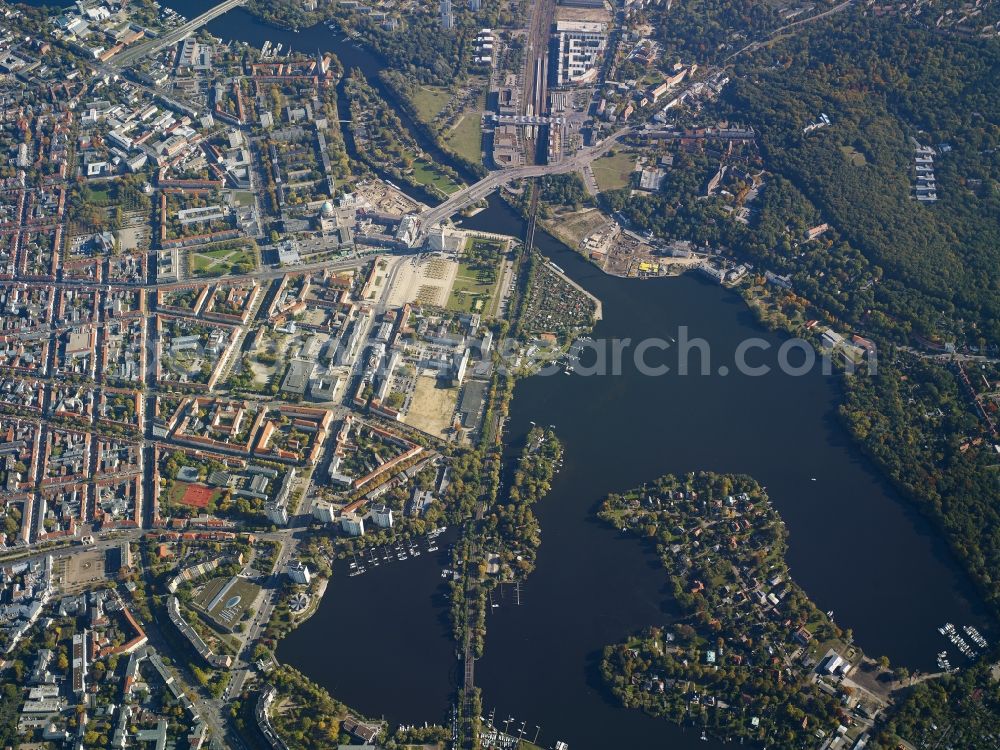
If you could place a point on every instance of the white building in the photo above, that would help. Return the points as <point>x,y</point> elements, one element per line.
<point>352,524</point>
<point>277,514</point>
<point>323,512</point>
<point>298,571</point>
<point>580,47</point>
<point>447,17</point>
<point>382,516</point>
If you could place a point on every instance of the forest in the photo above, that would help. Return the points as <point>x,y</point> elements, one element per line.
<point>887,84</point>
<point>563,190</point>
<point>919,427</point>
<point>897,268</point>
<point>423,51</point>
<point>677,210</point>
<point>962,710</point>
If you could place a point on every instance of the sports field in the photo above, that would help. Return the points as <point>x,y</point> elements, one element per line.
<point>190,494</point>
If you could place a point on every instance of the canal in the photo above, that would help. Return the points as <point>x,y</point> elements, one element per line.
<point>380,641</point>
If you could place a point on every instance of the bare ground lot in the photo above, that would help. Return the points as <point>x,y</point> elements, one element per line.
<point>572,227</point>
<point>428,282</point>
<point>81,571</point>
<point>432,407</point>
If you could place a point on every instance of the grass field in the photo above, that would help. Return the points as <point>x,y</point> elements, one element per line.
<point>472,289</point>
<point>428,174</point>
<point>429,101</point>
<point>466,139</point>
<point>240,595</point>
<point>243,197</point>
<point>100,194</point>
<point>220,262</point>
<point>613,172</point>
<point>854,156</point>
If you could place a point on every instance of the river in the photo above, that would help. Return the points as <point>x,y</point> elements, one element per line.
<point>380,641</point>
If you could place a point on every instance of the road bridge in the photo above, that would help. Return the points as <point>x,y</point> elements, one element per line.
<point>479,190</point>
<point>129,56</point>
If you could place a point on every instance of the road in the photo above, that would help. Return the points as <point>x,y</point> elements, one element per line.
<point>479,190</point>
<point>265,607</point>
<point>70,548</point>
<point>214,710</point>
<point>782,29</point>
<point>129,56</point>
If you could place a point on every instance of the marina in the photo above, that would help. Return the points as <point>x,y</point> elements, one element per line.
<point>950,632</point>
<point>373,557</point>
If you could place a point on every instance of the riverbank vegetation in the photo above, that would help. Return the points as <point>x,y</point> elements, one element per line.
<point>450,116</point>
<point>898,268</point>
<point>905,84</point>
<point>511,534</point>
<point>752,656</point>
<point>501,546</point>
<point>959,711</point>
<point>384,144</point>
<point>303,714</point>
<point>918,278</point>
<point>915,419</point>
<point>289,14</point>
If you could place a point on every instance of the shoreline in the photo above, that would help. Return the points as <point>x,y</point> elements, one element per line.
<point>598,306</point>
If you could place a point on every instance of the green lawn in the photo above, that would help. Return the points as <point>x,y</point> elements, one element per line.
<point>243,197</point>
<point>613,172</point>
<point>429,101</point>
<point>100,193</point>
<point>854,156</point>
<point>245,590</point>
<point>473,288</point>
<point>221,261</point>
<point>466,139</point>
<point>428,174</point>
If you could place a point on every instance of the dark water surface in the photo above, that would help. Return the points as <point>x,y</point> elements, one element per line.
<point>380,641</point>
<point>855,546</point>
